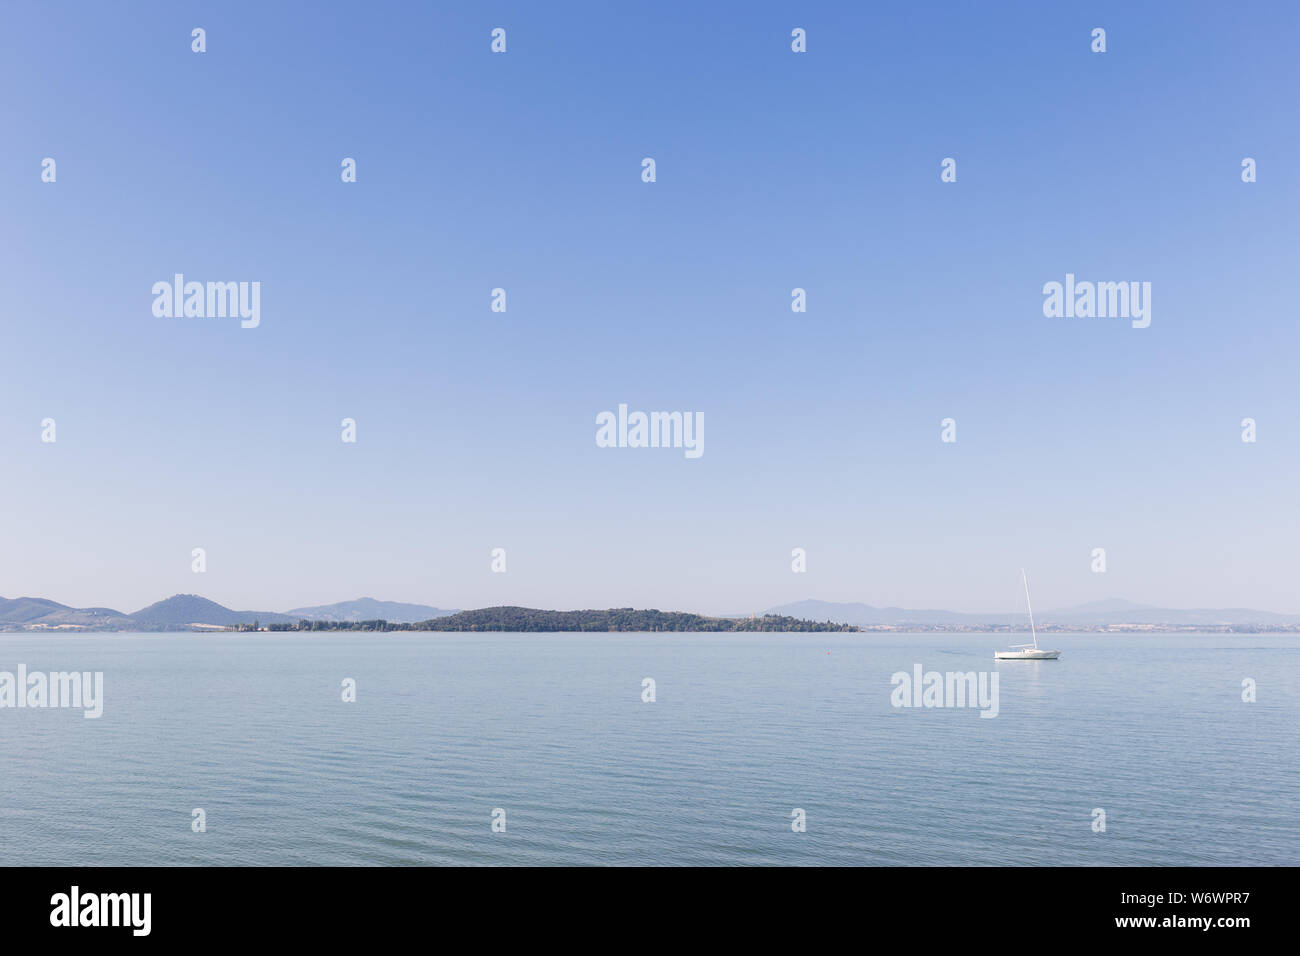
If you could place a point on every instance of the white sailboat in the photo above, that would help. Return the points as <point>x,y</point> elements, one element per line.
<point>1027,652</point>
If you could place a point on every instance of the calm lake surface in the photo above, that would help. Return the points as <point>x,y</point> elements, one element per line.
<point>552,729</point>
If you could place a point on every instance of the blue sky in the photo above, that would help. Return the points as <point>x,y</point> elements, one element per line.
<point>775,170</point>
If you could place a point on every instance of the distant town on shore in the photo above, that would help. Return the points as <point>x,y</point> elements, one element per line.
<point>190,612</point>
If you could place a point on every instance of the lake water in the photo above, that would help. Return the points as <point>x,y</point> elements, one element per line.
<point>552,729</point>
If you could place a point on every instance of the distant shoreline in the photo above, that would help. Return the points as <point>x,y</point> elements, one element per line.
<point>192,613</point>
<point>493,619</point>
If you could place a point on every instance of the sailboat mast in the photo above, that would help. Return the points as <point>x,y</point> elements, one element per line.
<point>1031,609</point>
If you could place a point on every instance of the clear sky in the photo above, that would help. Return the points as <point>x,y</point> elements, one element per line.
<point>775,170</point>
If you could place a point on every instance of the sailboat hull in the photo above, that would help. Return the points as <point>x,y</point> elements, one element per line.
<point>1029,654</point>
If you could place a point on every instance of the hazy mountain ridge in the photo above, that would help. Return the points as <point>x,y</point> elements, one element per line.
<point>368,609</point>
<point>53,614</point>
<point>866,614</point>
<point>1110,612</point>
<point>182,611</point>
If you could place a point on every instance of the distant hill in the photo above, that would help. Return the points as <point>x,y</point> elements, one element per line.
<point>97,618</point>
<point>182,610</point>
<point>41,612</point>
<point>24,610</point>
<point>368,609</point>
<point>610,619</point>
